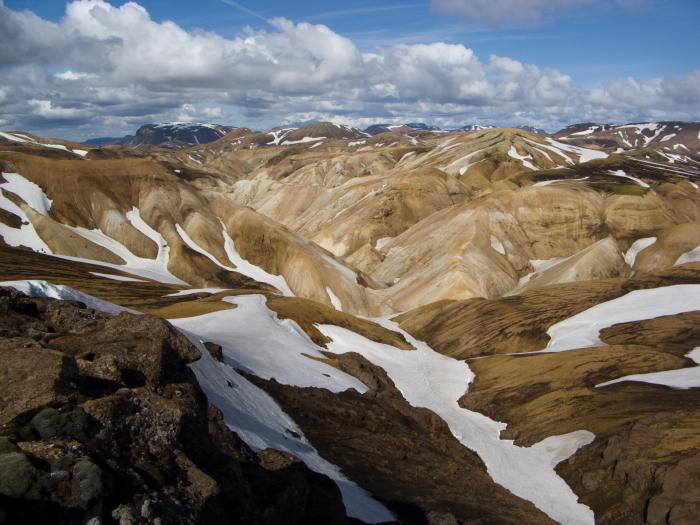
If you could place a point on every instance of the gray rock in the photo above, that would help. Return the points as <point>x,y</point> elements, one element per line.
<point>17,475</point>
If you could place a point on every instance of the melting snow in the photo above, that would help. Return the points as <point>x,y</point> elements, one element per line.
<point>583,329</point>
<point>16,137</point>
<point>197,248</point>
<point>621,173</point>
<point>28,191</point>
<point>114,277</point>
<point>255,340</point>
<point>638,246</point>
<point>691,256</point>
<point>681,378</point>
<point>250,270</point>
<point>382,242</point>
<point>584,154</point>
<point>497,245</point>
<point>38,288</point>
<point>436,382</point>
<point>25,235</point>
<point>153,269</point>
<point>335,301</point>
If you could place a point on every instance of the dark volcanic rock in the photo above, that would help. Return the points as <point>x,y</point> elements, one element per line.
<point>102,421</point>
<point>177,134</point>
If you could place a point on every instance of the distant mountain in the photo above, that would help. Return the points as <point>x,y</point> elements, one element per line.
<point>376,129</point>
<point>667,139</point>
<point>108,141</point>
<point>474,127</point>
<point>177,134</point>
<point>312,133</point>
<point>422,126</point>
<point>532,129</point>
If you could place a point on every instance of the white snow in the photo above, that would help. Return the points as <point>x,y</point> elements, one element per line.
<point>436,382</point>
<point>548,182</point>
<point>381,243</point>
<point>316,145</point>
<point>191,291</point>
<point>114,277</point>
<point>153,269</point>
<point>584,154</point>
<point>193,159</point>
<point>335,301</point>
<point>682,378</point>
<point>667,137</point>
<point>279,135</point>
<point>512,152</point>
<point>354,143</point>
<point>497,245</point>
<point>25,235</point>
<point>261,423</point>
<point>303,140</point>
<point>462,164</point>
<point>638,246</point>
<point>197,248</point>
<point>255,340</point>
<point>28,191</point>
<point>583,329</point>
<point>40,288</point>
<point>17,137</point>
<point>539,266</point>
<point>250,270</point>
<point>585,132</point>
<point>558,151</point>
<point>621,173</point>
<point>690,256</point>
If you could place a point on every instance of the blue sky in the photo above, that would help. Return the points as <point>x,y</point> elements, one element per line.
<point>599,47</point>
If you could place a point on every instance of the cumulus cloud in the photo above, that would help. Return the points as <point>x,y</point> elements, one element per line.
<point>106,69</point>
<point>516,11</point>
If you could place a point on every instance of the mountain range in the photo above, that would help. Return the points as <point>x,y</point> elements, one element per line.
<point>321,324</point>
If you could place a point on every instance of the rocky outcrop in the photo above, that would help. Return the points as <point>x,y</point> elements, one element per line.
<point>102,421</point>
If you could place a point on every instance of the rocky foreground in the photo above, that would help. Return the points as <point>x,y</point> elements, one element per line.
<point>102,421</point>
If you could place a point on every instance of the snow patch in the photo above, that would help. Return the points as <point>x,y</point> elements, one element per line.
<point>40,288</point>
<point>250,270</point>
<point>583,330</point>
<point>497,245</point>
<point>28,191</point>
<point>584,154</point>
<point>638,246</point>
<point>114,277</point>
<point>682,378</point>
<point>335,301</point>
<point>621,173</point>
<point>430,380</point>
<point>259,421</point>
<point>690,256</point>
<point>512,152</point>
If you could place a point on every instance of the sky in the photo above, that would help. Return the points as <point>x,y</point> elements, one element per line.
<point>88,68</point>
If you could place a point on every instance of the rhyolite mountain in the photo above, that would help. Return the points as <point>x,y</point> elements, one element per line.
<point>486,326</point>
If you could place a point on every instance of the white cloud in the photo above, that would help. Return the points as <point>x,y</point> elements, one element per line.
<point>46,109</point>
<point>72,75</point>
<point>119,67</point>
